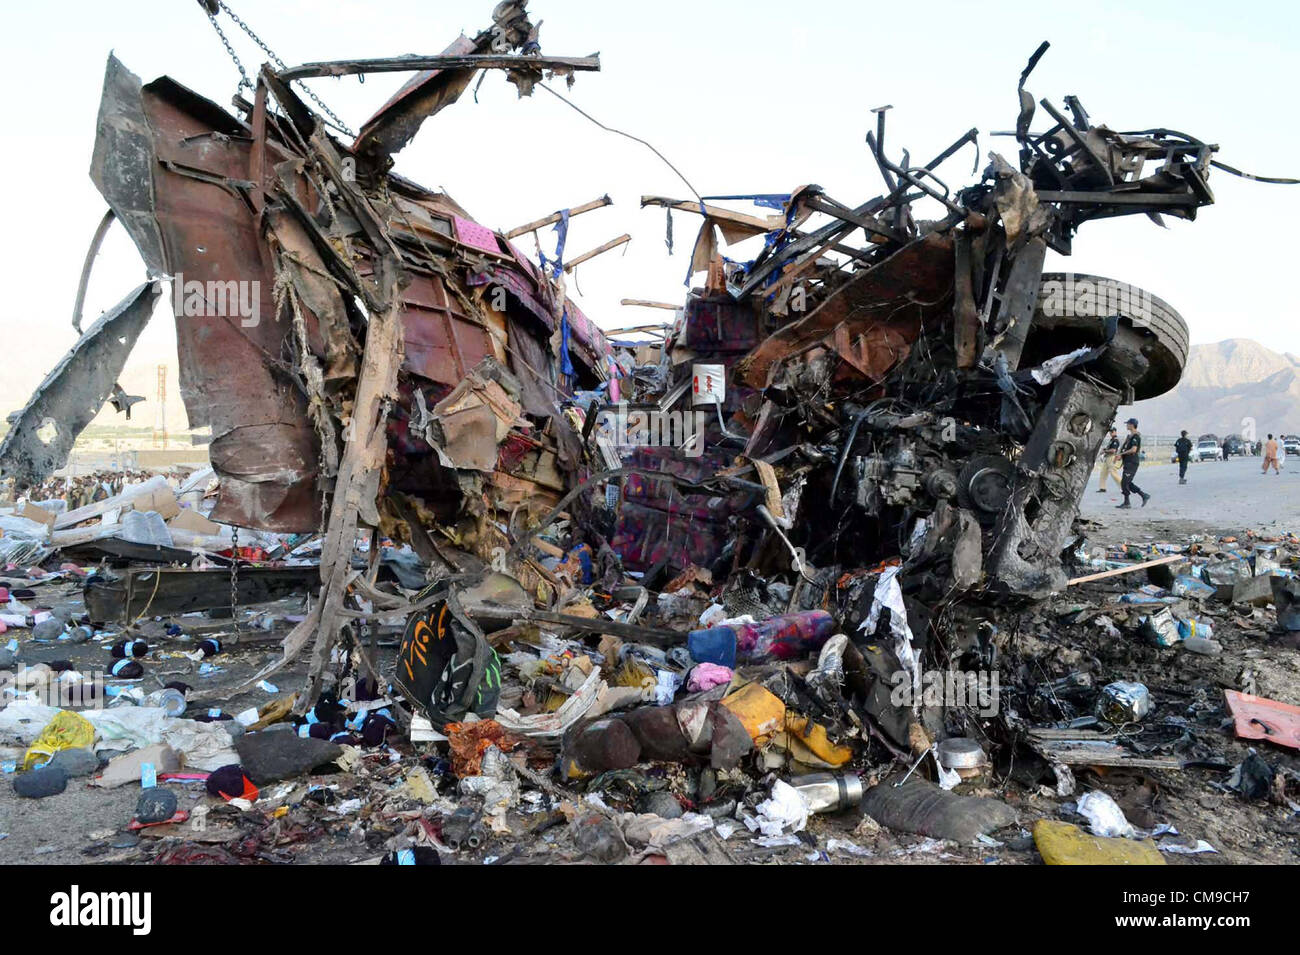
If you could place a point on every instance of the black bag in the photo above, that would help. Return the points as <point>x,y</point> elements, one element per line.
<point>445,665</point>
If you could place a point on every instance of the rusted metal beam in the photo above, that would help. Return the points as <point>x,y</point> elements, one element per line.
<point>868,223</point>
<point>648,304</point>
<point>557,216</point>
<point>965,314</point>
<point>1104,198</point>
<point>756,223</point>
<point>906,178</point>
<point>623,239</point>
<point>302,118</point>
<point>471,61</point>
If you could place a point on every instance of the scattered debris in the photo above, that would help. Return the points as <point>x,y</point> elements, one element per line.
<point>800,565</point>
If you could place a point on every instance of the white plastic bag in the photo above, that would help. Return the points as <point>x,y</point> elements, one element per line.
<point>1105,816</point>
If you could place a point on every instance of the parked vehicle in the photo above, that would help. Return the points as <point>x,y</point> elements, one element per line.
<point>1207,449</point>
<point>1291,443</point>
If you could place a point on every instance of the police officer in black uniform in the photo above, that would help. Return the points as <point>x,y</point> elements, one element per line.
<point>1130,455</point>
<point>1183,448</point>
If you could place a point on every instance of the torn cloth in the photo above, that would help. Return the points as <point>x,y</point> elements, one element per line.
<point>889,595</point>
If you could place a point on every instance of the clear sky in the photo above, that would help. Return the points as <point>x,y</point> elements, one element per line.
<point>759,96</point>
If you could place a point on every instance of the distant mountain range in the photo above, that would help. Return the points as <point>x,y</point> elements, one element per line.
<point>1224,384</point>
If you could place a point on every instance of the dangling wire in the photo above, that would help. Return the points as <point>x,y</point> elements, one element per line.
<point>1245,175</point>
<point>619,132</point>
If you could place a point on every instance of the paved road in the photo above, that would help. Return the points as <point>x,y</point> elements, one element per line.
<point>1220,497</point>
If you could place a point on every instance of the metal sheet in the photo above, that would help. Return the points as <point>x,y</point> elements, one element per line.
<point>232,375</point>
<point>42,434</point>
<point>123,161</point>
<point>920,272</point>
<point>398,120</point>
<point>442,344</point>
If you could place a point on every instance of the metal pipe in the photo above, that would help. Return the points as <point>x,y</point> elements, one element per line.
<point>95,242</point>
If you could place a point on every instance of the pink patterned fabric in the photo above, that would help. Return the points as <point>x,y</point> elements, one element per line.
<point>471,233</point>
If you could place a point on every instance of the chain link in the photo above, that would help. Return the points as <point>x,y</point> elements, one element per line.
<point>333,119</point>
<point>234,577</point>
<point>243,75</point>
<point>281,65</point>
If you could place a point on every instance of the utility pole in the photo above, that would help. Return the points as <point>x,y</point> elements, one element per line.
<point>160,419</point>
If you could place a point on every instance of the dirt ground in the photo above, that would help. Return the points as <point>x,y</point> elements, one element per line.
<point>1219,498</point>
<point>84,823</point>
<point>1188,689</point>
<point>1039,643</point>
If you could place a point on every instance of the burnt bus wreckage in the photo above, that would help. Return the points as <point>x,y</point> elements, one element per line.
<point>897,389</point>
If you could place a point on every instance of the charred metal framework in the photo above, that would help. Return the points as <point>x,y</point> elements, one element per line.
<point>898,388</point>
<point>916,392</point>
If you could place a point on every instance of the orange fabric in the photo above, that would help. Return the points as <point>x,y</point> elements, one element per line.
<point>250,792</point>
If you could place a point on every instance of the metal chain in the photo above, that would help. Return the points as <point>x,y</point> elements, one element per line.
<point>243,75</point>
<point>234,577</point>
<point>342,127</point>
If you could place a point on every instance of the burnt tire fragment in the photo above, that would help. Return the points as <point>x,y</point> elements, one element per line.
<point>1072,312</point>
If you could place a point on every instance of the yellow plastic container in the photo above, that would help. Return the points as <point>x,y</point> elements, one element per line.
<point>760,710</point>
<point>804,737</point>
